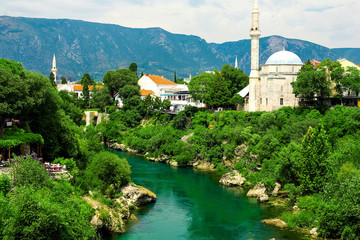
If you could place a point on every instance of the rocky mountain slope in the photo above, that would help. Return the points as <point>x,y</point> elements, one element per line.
<point>94,48</point>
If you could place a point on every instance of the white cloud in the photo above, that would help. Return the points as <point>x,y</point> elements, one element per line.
<point>332,23</point>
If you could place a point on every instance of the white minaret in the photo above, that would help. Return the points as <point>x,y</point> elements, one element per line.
<point>54,69</point>
<point>236,63</point>
<point>254,74</point>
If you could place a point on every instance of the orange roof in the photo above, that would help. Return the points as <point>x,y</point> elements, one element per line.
<point>160,80</point>
<point>80,87</point>
<point>315,63</point>
<point>146,92</point>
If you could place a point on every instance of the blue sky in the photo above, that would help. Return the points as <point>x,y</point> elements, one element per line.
<point>332,23</point>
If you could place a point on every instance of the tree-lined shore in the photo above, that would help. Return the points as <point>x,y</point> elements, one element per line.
<point>313,154</point>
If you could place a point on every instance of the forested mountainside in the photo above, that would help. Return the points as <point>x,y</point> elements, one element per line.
<point>94,48</point>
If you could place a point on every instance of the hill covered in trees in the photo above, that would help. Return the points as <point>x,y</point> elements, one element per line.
<point>94,48</point>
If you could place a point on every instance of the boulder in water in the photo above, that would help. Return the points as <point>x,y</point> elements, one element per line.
<point>275,222</point>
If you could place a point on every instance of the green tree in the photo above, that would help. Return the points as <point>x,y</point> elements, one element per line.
<point>312,83</point>
<point>70,105</point>
<point>100,98</point>
<point>107,169</point>
<point>14,67</point>
<point>14,97</point>
<point>115,80</point>
<point>63,80</point>
<point>27,172</point>
<point>313,165</point>
<point>335,73</point>
<point>210,88</point>
<point>129,91</point>
<point>52,79</point>
<point>351,80</point>
<point>133,67</point>
<point>86,78</point>
<point>236,78</point>
<point>53,213</point>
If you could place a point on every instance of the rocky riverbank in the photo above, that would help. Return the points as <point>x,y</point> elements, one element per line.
<point>113,216</point>
<point>203,165</point>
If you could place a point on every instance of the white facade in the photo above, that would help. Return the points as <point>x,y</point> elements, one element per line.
<point>177,94</point>
<point>276,76</point>
<point>270,88</point>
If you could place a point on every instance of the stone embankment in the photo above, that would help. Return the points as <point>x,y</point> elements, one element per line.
<point>113,218</point>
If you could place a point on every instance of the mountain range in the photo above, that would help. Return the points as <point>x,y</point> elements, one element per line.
<point>87,47</point>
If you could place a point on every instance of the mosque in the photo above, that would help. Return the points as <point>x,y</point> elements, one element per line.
<point>270,88</point>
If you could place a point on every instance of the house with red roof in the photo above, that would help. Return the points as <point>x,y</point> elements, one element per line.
<point>76,88</point>
<point>177,94</point>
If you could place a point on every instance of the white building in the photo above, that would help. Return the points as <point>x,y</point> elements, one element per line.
<point>76,88</point>
<point>177,94</point>
<point>270,88</point>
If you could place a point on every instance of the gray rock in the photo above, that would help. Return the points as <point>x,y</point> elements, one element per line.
<point>232,178</point>
<point>263,198</point>
<point>275,222</point>
<point>314,232</point>
<point>276,189</point>
<point>137,195</point>
<point>240,150</point>
<point>186,137</point>
<point>257,191</point>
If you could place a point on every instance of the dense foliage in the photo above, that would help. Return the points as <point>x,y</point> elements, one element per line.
<point>313,154</point>
<point>219,88</point>
<point>33,205</point>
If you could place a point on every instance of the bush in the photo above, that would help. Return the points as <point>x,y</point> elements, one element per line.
<point>105,169</point>
<point>4,184</point>
<point>29,172</point>
<point>48,214</point>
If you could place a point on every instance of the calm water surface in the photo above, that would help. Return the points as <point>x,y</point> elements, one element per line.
<point>192,205</point>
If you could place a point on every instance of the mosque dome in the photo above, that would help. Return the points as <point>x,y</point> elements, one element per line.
<point>284,58</point>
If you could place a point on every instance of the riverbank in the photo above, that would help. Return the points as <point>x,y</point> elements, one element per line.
<point>311,153</point>
<point>192,205</point>
<point>233,179</point>
<point>201,165</point>
<point>112,215</point>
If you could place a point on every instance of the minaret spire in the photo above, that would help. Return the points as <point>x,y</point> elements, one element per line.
<point>236,63</point>
<point>254,74</point>
<point>54,69</point>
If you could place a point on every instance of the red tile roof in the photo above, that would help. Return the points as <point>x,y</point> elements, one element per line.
<point>160,80</point>
<point>80,87</point>
<point>315,63</point>
<point>146,92</point>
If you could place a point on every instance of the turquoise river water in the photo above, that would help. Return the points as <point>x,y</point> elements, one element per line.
<point>192,205</point>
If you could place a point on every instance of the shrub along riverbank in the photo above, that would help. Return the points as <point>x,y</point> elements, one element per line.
<point>314,155</point>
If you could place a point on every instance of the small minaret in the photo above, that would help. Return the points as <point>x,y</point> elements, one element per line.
<point>236,63</point>
<point>254,74</point>
<point>54,69</point>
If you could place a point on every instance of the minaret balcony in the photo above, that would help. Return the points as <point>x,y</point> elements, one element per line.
<point>255,33</point>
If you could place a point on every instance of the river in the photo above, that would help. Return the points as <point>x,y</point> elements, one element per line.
<point>192,205</point>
